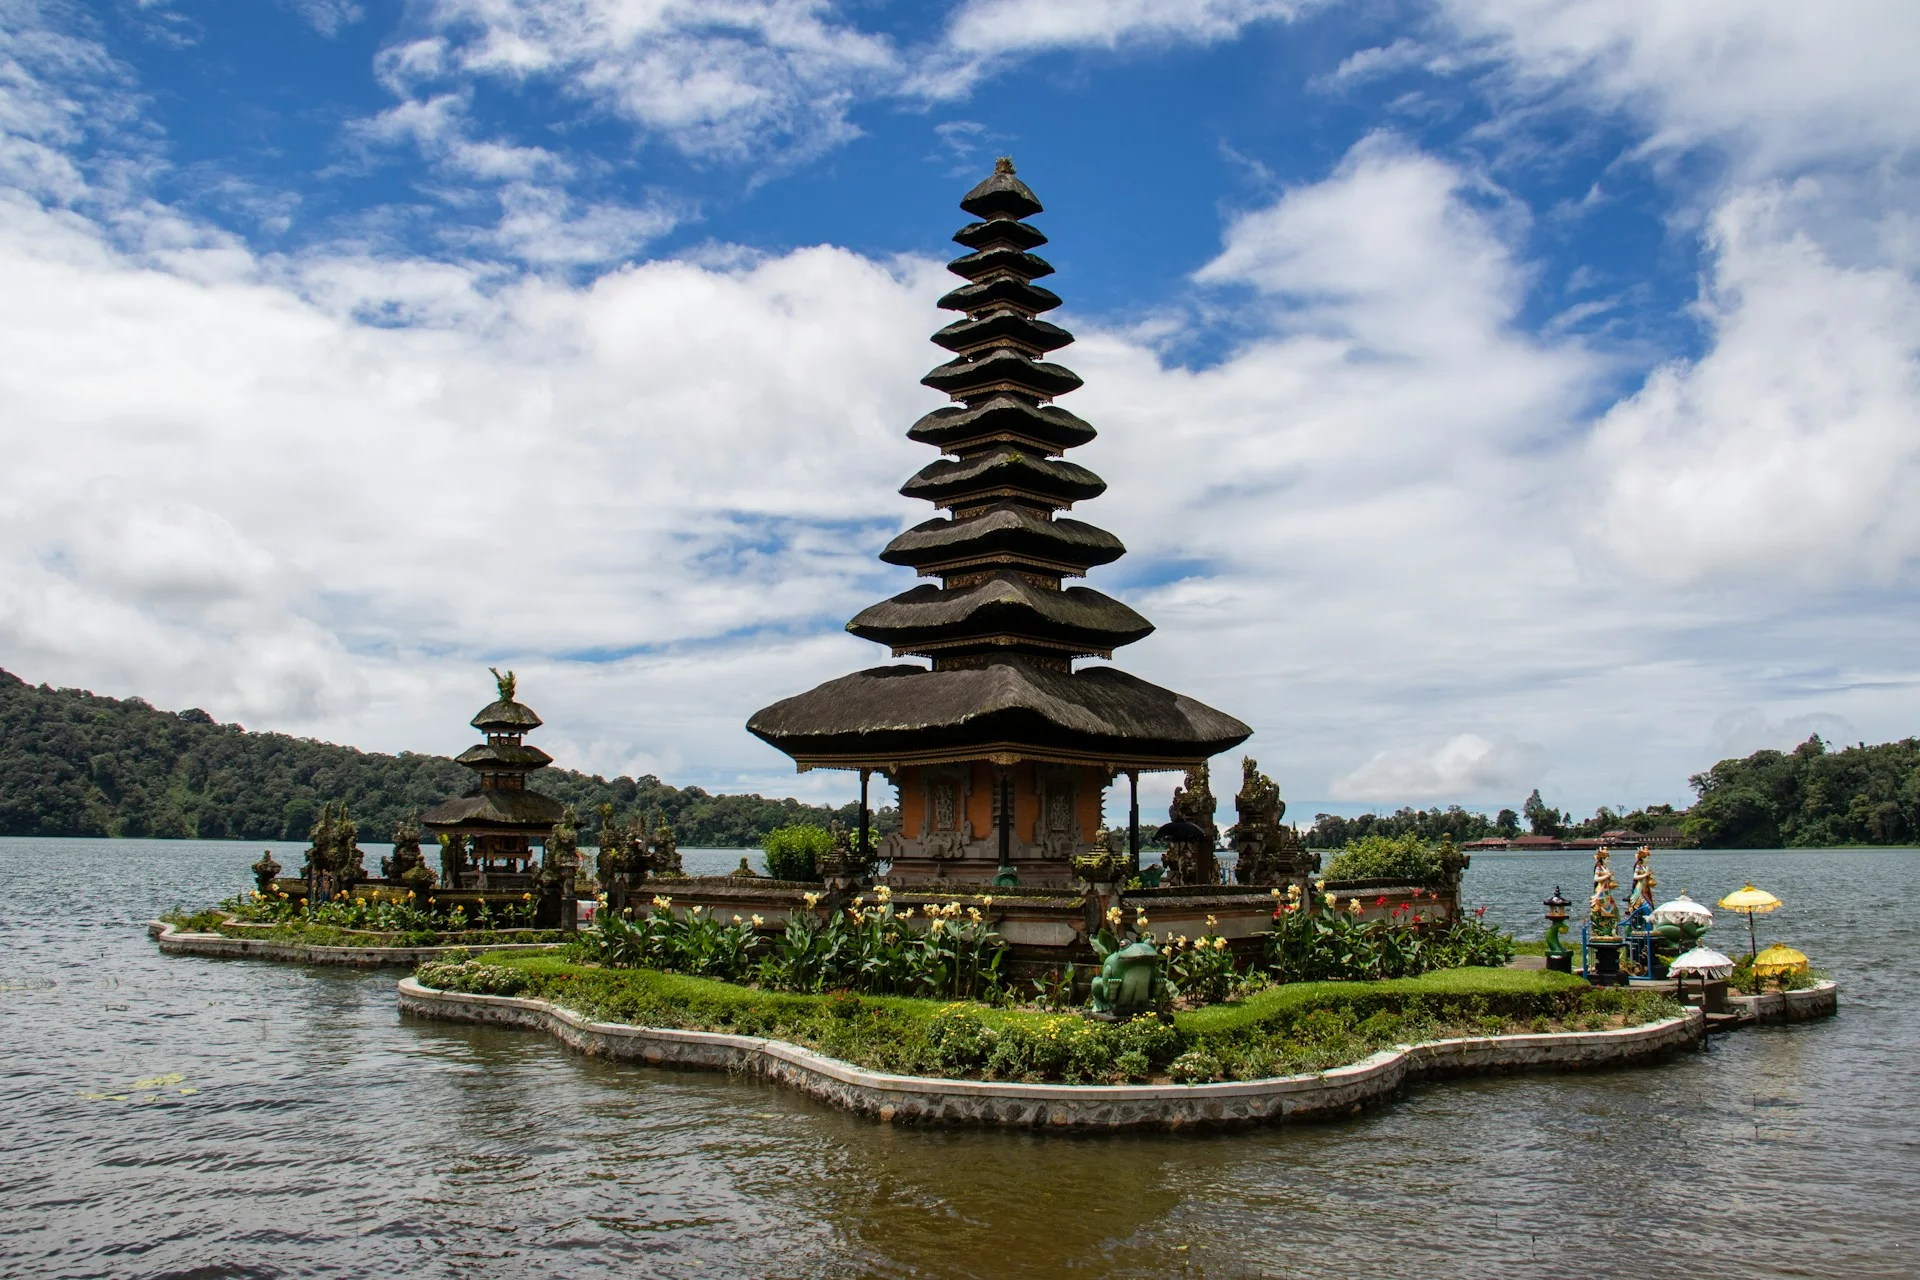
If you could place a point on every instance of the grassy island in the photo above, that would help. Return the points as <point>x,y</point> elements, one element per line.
<point>1295,1027</point>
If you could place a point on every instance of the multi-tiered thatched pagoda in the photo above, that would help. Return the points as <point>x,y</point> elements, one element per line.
<point>1001,749</point>
<point>490,831</point>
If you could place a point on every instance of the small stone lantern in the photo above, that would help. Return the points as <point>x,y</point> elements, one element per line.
<point>1559,958</point>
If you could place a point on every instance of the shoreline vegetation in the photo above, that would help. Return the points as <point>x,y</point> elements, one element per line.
<point>1283,1030</point>
<point>73,763</point>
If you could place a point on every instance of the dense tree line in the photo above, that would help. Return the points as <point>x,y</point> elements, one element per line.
<point>1331,831</point>
<point>76,764</point>
<point>1810,797</point>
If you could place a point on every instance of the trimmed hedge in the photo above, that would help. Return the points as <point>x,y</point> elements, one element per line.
<point>1283,1030</point>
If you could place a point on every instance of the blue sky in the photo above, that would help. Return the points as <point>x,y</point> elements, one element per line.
<point>1494,393</point>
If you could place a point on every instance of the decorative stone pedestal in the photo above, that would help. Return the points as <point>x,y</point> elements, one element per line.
<point>1606,971</point>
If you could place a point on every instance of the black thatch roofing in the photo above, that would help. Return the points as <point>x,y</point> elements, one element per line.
<point>905,713</point>
<point>516,811</point>
<point>1001,196</point>
<point>1003,467</point>
<point>1031,298</point>
<point>1001,258</point>
<point>978,235</point>
<point>954,426</point>
<point>505,716</point>
<point>999,368</point>
<point>504,756</point>
<point>1009,531</point>
<point>1004,326</point>
<point>1005,605</point>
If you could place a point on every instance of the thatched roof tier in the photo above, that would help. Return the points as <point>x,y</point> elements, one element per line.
<point>1005,610</point>
<point>1000,258</point>
<point>1004,471</point>
<point>1006,534</point>
<point>959,428</point>
<point>503,756</point>
<point>505,716</point>
<point>1005,291</point>
<point>485,809</point>
<point>1002,369</point>
<point>890,716</point>
<point>1007,231</point>
<point>1001,195</point>
<point>1036,337</point>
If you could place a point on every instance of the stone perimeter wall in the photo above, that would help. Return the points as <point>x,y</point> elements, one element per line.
<point>219,946</point>
<point>1063,1107</point>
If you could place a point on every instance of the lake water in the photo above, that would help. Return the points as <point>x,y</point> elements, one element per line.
<point>291,1124</point>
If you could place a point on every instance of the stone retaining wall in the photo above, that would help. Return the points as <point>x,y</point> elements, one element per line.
<point>921,1100</point>
<point>1822,1000</point>
<point>174,941</point>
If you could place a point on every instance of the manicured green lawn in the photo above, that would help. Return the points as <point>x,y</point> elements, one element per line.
<point>1277,1031</point>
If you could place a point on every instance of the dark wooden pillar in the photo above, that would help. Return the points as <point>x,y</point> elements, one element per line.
<point>864,775</point>
<point>1003,792</point>
<point>1133,818</point>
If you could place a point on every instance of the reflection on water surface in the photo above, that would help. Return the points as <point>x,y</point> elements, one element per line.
<point>183,1117</point>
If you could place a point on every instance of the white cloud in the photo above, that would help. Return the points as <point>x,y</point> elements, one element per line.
<point>1742,732</point>
<point>1777,85</point>
<point>1464,765</point>
<point>1787,450</point>
<point>710,77</point>
<point>1017,26</point>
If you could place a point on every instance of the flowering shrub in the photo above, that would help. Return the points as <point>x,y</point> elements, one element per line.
<point>381,911</point>
<point>873,949</point>
<point>1201,970</point>
<point>1336,944</point>
<point>1195,1066</point>
<point>472,976</point>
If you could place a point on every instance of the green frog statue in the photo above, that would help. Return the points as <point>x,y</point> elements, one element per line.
<point>1131,979</point>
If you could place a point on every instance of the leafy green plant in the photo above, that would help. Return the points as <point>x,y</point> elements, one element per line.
<point>794,853</point>
<point>1380,857</point>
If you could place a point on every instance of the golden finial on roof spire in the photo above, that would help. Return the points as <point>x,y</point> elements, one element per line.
<point>505,682</point>
<point>1003,165</point>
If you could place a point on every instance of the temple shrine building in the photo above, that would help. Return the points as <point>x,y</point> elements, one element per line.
<point>1001,746</point>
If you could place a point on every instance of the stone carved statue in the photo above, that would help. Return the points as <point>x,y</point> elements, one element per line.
<point>559,864</point>
<point>663,851</point>
<point>334,857</point>
<point>1193,862</point>
<point>265,872</point>
<point>614,866</point>
<point>1130,980</point>
<point>1268,852</point>
<point>406,853</point>
<point>453,859</point>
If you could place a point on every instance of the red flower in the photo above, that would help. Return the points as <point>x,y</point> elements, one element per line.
<point>1380,901</point>
<point>1479,913</point>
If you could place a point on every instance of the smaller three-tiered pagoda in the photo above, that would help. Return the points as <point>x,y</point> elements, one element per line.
<point>490,831</point>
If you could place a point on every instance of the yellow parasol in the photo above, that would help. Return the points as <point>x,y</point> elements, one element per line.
<point>1779,959</point>
<point>1755,902</point>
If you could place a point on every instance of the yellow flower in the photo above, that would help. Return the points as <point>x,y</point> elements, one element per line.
<point>1140,921</point>
<point>987,901</point>
<point>526,897</point>
<point>936,926</point>
<point>658,901</point>
<point>1219,944</point>
<point>1353,905</point>
<point>1113,915</point>
<point>1275,891</point>
<point>1332,901</point>
<point>695,910</point>
<point>736,918</point>
<point>757,921</point>
<point>973,914</point>
<point>1293,892</point>
<point>907,914</point>
<point>884,893</point>
<point>812,900</point>
<point>1211,922</point>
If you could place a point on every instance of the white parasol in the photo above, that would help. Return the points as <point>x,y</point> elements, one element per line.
<point>1682,910</point>
<point>1703,962</point>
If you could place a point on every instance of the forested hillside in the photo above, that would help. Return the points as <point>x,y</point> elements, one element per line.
<point>1810,797</point>
<point>75,764</point>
